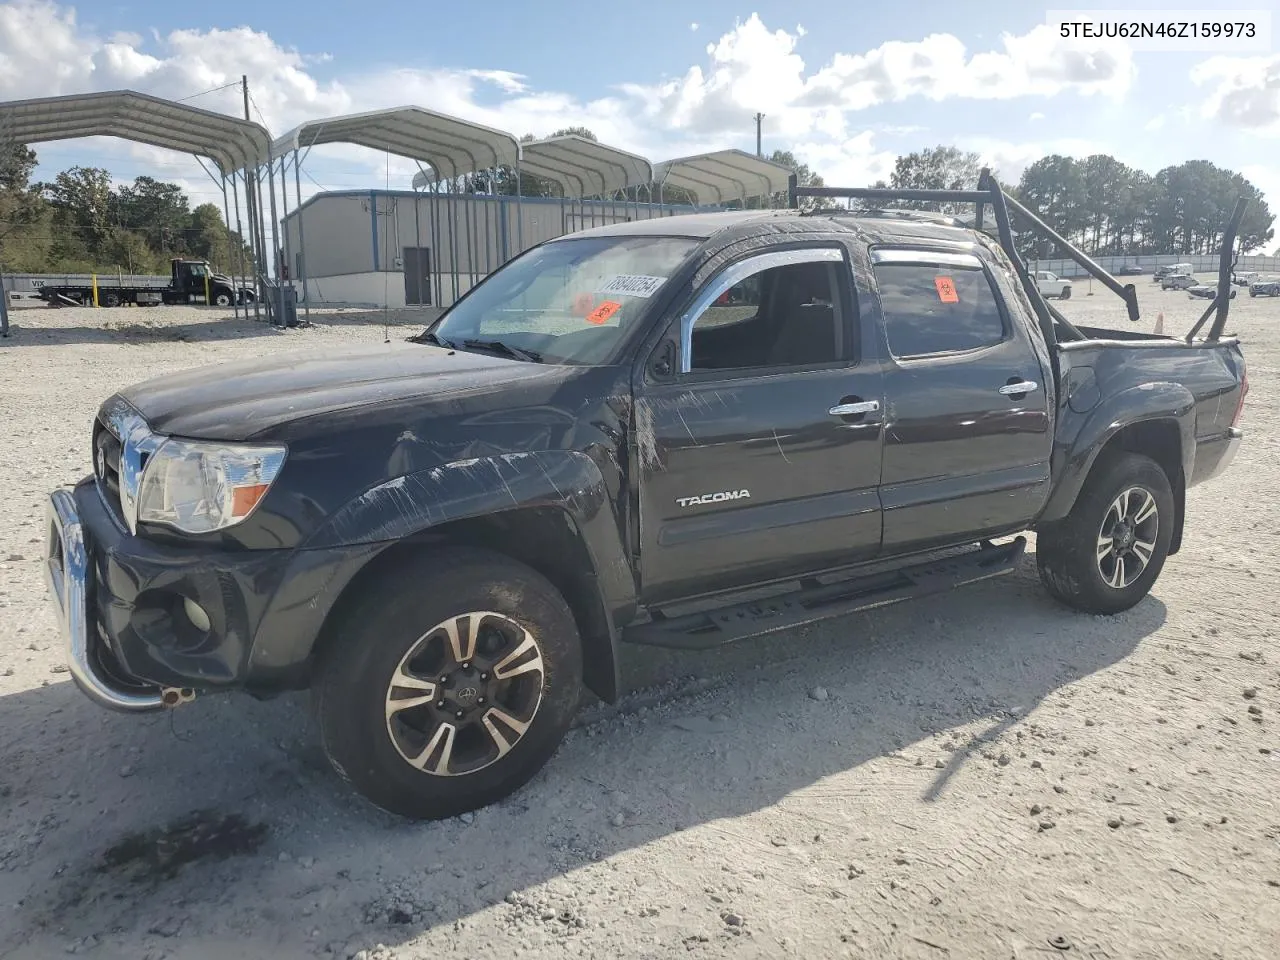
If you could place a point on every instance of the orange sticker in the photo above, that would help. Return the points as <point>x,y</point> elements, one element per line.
<point>603,312</point>
<point>946,289</point>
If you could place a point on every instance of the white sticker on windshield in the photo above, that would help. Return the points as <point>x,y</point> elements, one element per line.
<point>633,286</point>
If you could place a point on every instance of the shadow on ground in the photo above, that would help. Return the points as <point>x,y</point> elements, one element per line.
<point>707,737</point>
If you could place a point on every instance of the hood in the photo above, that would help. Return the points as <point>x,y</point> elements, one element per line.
<point>234,401</point>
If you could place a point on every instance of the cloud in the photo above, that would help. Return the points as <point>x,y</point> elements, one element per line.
<point>812,109</point>
<point>754,68</point>
<point>940,68</point>
<point>854,162</point>
<point>1155,123</point>
<point>1245,92</point>
<point>1008,159</point>
<point>1036,116</point>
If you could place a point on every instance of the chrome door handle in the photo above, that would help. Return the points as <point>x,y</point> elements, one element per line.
<point>1026,386</point>
<point>853,409</point>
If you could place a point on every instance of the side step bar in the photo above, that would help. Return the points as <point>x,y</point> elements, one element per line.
<point>812,601</point>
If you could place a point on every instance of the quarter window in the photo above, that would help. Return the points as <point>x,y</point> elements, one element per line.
<point>931,309</point>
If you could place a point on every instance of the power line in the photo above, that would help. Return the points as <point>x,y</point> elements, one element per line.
<point>225,86</point>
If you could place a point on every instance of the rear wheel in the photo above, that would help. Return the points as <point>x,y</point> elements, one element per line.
<point>1066,293</point>
<point>1106,554</point>
<point>449,684</point>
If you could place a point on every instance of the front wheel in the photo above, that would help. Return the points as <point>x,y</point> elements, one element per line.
<point>449,684</point>
<point>1106,554</point>
<point>222,299</point>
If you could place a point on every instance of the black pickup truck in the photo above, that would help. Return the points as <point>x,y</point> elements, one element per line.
<point>678,432</point>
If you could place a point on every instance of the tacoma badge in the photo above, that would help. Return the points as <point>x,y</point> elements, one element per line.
<point>713,498</point>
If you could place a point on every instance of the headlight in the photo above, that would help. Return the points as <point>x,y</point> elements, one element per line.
<point>199,487</point>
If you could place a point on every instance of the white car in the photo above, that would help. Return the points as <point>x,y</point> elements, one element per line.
<point>1178,281</point>
<point>1052,285</point>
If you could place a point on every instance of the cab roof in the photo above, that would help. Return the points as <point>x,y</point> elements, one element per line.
<point>875,226</point>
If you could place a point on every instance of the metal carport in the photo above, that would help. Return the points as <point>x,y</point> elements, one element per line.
<point>451,147</point>
<point>234,146</point>
<point>723,176</point>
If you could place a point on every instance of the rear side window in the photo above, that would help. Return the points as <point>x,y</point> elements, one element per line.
<point>932,309</point>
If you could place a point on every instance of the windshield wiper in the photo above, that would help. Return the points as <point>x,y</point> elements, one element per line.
<point>432,337</point>
<point>497,346</point>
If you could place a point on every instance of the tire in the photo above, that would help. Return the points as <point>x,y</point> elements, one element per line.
<point>111,300</point>
<point>1252,294</point>
<point>374,748</point>
<point>1068,552</point>
<point>222,299</point>
<point>1065,294</point>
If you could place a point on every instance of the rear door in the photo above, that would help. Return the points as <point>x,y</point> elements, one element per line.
<point>759,455</point>
<point>967,427</point>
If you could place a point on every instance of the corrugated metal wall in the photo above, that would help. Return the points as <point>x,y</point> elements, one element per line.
<point>468,236</point>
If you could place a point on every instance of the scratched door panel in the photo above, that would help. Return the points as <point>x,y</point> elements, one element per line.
<point>794,488</point>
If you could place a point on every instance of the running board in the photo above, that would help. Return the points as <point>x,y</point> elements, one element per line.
<point>811,600</point>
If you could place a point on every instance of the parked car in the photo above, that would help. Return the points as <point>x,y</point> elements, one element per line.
<point>1178,281</point>
<point>448,538</point>
<point>1052,285</point>
<point>1265,287</point>
<point>1206,291</point>
<point>1161,272</point>
<point>1244,279</point>
<point>1130,270</point>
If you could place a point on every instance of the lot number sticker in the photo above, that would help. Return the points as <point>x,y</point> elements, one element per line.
<point>602,313</point>
<point>629,285</point>
<point>946,289</point>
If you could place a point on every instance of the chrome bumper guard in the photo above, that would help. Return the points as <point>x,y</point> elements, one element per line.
<point>67,572</point>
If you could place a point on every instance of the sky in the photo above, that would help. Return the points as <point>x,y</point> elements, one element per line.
<point>846,86</point>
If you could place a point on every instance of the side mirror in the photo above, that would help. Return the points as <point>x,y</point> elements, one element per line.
<point>664,360</point>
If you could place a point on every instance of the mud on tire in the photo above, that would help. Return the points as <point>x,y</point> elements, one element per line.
<point>449,684</point>
<point>1106,554</point>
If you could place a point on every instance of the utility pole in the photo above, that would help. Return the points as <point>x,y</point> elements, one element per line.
<point>256,241</point>
<point>759,117</point>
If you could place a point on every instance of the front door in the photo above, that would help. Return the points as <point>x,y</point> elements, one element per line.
<point>759,455</point>
<point>967,431</point>
<point>417,276</point>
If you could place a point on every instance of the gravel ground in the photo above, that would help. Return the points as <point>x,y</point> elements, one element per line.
<point>980,774</point>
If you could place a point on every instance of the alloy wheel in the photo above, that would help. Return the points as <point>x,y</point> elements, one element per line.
<point>1127,537</point>
<point>465,693</point>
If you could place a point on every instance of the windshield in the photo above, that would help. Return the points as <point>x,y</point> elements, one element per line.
<point>569,301</point>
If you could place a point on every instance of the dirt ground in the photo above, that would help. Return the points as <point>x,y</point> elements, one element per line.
<point>980,774</point>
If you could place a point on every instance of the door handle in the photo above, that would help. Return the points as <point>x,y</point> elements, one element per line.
<point>1013,389</point>
<point>853,409</point>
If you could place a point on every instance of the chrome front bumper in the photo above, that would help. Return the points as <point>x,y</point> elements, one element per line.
<point>67,573</point>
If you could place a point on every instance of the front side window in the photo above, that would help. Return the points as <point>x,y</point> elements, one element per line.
<point>568,301</point>
<point>937,308</point>
<point>780,316</point>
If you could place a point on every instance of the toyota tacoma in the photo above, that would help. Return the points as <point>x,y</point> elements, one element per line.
<point>675,432</point>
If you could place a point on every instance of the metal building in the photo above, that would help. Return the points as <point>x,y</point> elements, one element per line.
<point>428,246</point>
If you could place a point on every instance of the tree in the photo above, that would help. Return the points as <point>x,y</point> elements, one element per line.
<point>805,177</point>
<point>158,210</point>
<point>82,202</point>
<point>17,163</point>
<point>1053,188</point>
<point>21,206</point>
<point>936,168</point>
<point>576,132</point>
<point>1108,208</point>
